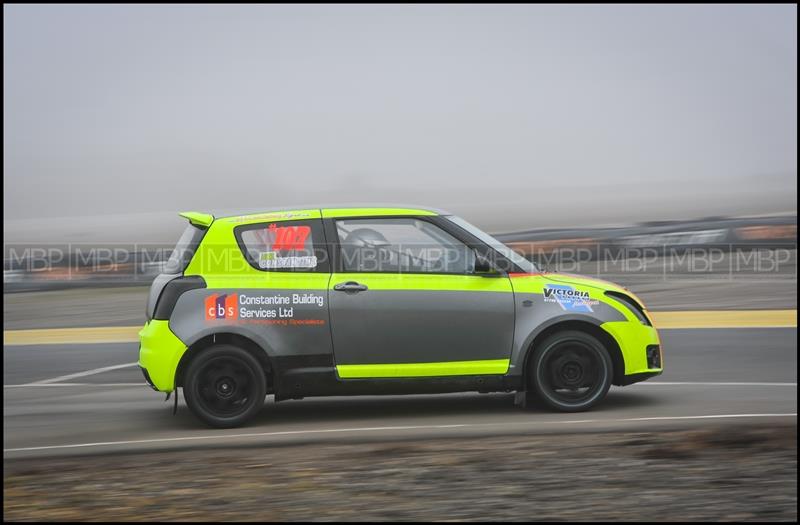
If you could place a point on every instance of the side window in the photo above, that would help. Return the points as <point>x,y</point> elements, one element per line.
<point>284,246</point>
<point>401,245</point>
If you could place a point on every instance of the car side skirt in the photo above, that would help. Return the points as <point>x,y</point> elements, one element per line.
<point>317,376</point>
<point>447,368</point>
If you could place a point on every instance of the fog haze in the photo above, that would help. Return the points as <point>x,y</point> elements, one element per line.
<point>515,117</point>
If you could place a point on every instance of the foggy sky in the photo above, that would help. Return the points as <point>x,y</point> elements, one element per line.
<point>515,117</point>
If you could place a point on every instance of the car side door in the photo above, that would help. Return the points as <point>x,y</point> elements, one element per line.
<point>406,301</point>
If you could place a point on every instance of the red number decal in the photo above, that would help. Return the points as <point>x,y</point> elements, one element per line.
<point>289,238</point>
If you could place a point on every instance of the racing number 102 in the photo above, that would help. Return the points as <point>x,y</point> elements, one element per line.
<point>287,238</point>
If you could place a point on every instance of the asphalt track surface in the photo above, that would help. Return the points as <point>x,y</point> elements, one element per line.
<point>90,399</point>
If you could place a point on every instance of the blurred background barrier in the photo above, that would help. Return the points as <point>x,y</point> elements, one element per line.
<point>716,248</point>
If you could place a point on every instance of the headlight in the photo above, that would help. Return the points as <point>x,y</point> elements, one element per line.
<point>635,308</point>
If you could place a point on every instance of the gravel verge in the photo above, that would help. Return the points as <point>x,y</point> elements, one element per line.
<point>735,473</point>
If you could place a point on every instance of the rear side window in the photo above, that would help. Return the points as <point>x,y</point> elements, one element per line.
<point>184,250</point>
<point>284,246</point>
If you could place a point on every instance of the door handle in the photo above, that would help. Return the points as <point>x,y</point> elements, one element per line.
<point>350,286</point>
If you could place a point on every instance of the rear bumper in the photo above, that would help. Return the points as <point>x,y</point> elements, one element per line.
<point>147,378</point>
<point>160,351</point>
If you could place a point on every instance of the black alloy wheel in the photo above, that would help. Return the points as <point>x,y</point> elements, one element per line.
<point>225,386</point>
<point>571,371</point>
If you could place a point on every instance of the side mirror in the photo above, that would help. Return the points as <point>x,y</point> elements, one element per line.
<point>484,267</point>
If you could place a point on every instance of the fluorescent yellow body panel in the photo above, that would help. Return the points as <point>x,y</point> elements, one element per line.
<point>329,213</point>
<point>633,338</point>
<point>449,368</point>
<point>198,219</point>
<point>220,261</point>
<point>253,278</point>
<point>160,353</point>
<point>422,281</point>
<point>274,216</point>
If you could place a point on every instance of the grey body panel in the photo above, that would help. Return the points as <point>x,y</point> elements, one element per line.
<point>534,319</point>
<point>391,326</point>
<point>386,326</point>
<point>421,326</point>
<point>279,336</point>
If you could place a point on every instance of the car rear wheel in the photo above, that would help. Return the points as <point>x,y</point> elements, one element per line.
<point>225,386</point>
<point>570,371</point>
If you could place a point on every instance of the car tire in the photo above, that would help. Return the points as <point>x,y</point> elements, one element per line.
<point>225,386</point>
<point>570,371</point>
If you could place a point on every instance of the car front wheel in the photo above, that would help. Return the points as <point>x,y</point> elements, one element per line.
<point>225,386</point>
<point>571,371</point>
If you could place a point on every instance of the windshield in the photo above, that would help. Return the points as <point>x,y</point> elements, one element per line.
<point>519,260</point>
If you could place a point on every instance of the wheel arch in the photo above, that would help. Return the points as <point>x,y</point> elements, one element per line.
<point>234,339</point>
<point>608,341</point>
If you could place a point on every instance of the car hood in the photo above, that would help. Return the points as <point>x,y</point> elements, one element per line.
<point>581,280</point>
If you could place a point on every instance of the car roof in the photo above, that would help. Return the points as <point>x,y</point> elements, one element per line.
<point>337,210</point>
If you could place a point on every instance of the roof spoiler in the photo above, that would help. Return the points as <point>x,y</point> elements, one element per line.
<point>203,220</point>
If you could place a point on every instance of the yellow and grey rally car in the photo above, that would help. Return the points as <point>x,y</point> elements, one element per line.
<point>348,301</point>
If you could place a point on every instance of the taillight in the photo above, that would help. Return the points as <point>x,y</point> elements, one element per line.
<point>172,291</point>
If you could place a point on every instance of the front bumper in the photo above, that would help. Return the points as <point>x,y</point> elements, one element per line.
<point>160,351</point>
<point>636,378</point>
<point>640,347</point>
